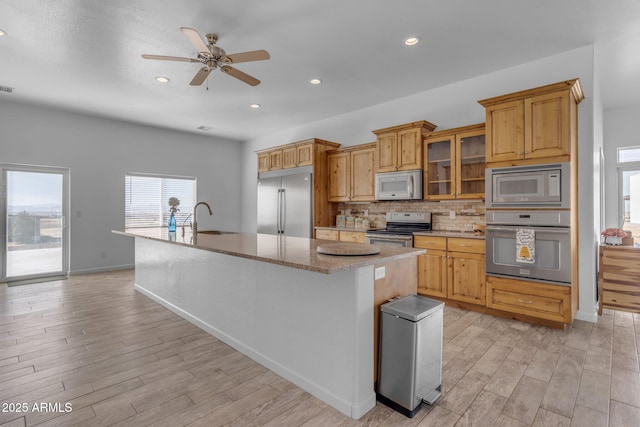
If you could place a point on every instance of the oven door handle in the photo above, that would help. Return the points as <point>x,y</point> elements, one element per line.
<point>516,227</point>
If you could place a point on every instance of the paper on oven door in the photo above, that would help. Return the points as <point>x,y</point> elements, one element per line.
<point>526,245</point>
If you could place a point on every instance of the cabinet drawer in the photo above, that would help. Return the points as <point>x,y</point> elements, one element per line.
<point>327,234</point>
<point>428,242</point>
<point>533,299</point>
<point>475,246</point>
<point>353,236</point>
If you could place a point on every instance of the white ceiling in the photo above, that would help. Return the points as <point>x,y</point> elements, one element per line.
<point>85,54</point>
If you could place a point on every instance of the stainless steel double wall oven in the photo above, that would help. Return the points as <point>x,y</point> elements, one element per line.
<point>528,233</point>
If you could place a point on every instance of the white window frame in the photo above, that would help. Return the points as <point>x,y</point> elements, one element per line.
<point>622,168</point>
<point>163,207</point>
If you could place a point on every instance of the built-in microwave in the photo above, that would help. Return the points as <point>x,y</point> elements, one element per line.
<point>406,185</point>
<point>543,186</point>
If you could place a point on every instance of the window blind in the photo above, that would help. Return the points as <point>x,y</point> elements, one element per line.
<point>147,199</point>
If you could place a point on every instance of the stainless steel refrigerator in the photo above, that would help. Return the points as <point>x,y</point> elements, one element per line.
<point>285,204</point>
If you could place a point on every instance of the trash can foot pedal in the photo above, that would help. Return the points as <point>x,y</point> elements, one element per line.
<point>431,398</point>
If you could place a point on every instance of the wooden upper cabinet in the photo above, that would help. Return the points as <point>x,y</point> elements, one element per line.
<point>275,159</point>
<point>351,174</point>
<point>547,118</point>
<point>289,157</point>
<point>410,149</point>
<point>263,162</point>
<point>454,163</point>
<point>293,155</point>
<point>505,132</point>
<point>388,152</point>
<point>339,174</point>
<point>363,174</point>
<point>304,153</point>
<point>534,124</point>
<point>400,147</point>
<point>439,168</point>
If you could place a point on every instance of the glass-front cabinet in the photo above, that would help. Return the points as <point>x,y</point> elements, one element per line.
<point>455,163</point>
<point>471,164</point>
<point>439,159</point>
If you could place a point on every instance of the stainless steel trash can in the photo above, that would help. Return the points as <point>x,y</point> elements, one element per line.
<point>410,362</point>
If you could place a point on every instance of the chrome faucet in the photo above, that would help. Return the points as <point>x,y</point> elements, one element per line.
<point>195,218</point>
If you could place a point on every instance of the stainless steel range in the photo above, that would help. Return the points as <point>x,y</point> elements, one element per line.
<point>400,228</point>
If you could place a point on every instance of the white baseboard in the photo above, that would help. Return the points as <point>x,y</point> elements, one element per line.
<point>101,269</point>
<point>588,315</point>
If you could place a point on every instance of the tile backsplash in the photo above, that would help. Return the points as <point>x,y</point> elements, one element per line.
<point>467,213</point>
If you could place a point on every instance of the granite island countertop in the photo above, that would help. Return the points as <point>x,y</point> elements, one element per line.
<point>295,252</point>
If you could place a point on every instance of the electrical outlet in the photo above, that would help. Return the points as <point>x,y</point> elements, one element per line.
<point>452,214</point>
<point>379,273</point>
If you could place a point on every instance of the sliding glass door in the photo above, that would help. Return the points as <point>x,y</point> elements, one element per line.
<point>34,209</point>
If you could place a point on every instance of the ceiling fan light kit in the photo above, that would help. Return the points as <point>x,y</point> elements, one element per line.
<point>214,57</point>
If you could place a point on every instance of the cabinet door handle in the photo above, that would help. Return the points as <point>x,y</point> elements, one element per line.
<point>525,301</point>
<point>464,246</point>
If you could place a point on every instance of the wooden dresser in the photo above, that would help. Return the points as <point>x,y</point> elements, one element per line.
<point>619,278</point>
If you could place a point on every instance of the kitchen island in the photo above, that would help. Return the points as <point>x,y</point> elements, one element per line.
<point>308,317</point>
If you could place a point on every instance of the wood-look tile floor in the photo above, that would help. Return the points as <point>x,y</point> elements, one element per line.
<point>118,358</point>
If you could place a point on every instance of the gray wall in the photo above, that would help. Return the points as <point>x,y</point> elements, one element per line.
<point>456,105</point>
<point>99,152</point>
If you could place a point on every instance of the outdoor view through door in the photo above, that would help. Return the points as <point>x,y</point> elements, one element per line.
<point>34,222</point>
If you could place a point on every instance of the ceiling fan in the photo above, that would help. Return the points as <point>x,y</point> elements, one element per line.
<point>214,57</point>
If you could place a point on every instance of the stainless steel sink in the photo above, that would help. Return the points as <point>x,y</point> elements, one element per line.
<point>215,232</point>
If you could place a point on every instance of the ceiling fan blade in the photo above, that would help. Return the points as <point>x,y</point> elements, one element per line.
<point>233,72</point>
<point>169,58</point>
<point>255,55</point>
<point>200,76</point>
<point>196,41</point>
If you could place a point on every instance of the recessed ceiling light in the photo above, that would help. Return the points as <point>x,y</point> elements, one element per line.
<point>411,41</point>
<point>2,32</point>
<point>255,105</point>
<point>315,81</point>
<point>162,79</point>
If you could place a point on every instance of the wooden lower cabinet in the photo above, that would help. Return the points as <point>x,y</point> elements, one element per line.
<point>618,275</point>
<point>353,236</point>
<point>452,268</point>
<point>341,235</point>
<point>327,234</point>
<point>538,300</point>
<point>432,273</point>
<point>466,279</point>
